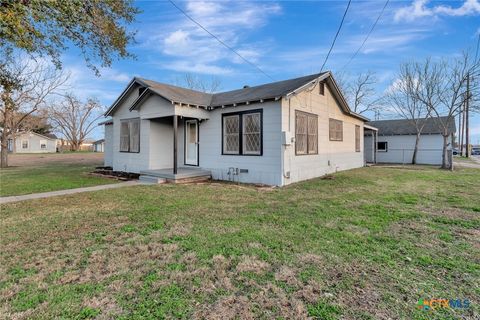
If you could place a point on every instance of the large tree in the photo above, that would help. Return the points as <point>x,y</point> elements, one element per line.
<point>402,96</point>
<point>25,86</point>
<point>47,28</point>
<point>194,82</point>
<point>359,90</point>
<point>75,119</point>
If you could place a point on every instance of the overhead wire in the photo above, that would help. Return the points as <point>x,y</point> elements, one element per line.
<point>220,40</point>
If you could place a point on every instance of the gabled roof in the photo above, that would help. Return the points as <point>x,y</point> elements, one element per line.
<point>406,127</point>
<point>269,91</point>
<point>50,136</point>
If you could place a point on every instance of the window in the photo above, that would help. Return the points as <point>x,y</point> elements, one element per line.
<point>306,133</point>
<point>321,88</point>
<point>24,144</point>
<point>251,133</point>
<point>130,135</point>
<point>382,146</point>
<point>357,138</point>
<point>43,144</point>
<point>335,130</point>
<point>242,133</point>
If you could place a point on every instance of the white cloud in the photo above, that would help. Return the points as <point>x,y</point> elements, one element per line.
<point>419,9</point>
<point>192,49</point>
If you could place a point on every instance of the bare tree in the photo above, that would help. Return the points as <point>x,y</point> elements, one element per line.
<point>25,86</point>
<point>359,91</point>
<point>75,119</point>
<point>193,82</point>
<point>443,89</point>
<point>402,96</point>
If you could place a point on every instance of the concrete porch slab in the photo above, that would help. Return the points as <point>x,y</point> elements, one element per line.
<point>182,173</point>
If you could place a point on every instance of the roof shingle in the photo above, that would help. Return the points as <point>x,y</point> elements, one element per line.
<point>406,127</point>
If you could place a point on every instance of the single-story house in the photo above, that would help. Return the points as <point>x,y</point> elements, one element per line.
<point>99,145</point>
<point>393,141</point>
<point>275,134</point>
<point>66,145</point>
<point>32,142</point>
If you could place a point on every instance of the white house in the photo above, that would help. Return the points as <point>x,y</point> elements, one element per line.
<point>32,142</point>
<point>395,141</point>
<point>275,134</point>
<point>99,145</point>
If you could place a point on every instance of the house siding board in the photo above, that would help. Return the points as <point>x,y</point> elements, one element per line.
<point>264,169</point>
<point>332,155</point>
<point>108,146</point>
<point>400,149</point>
<point>34,144</point>
<point>161,143</point>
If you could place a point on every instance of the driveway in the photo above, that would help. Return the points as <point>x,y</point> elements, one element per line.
<point>472,162</point>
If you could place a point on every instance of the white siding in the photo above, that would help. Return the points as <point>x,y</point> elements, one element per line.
<point>108,155</point>
<point>265,169</point>
<point>34,143</point>
<point>400,149</point>
<point>161,143</point>
<point>332,155</point>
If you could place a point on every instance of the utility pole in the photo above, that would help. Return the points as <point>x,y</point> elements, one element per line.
<point>463,128</point>
<point>467,129</point>
<point>460,129</point>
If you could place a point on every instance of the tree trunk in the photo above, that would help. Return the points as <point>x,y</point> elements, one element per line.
<point>4,152</point>
<point>415,150</point>
<point>445,164</point>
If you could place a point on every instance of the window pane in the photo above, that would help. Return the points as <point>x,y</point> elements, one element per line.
<point>134,135</point>
<point>300,133</point>
<point>231,134</point>
<point>124,136</point>
<point>335,130</point>
<point>251,133</point>
<point>25,144</point>
<point>312,134</point>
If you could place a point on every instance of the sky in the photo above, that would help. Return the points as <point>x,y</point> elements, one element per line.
<point>286,39</point>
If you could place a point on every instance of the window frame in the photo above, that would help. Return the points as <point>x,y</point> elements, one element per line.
<point>129,121</point>
<point>358,147</point>
<point>28,144</point>
<point>311,115</point>
<point>240,115</point>
<point>386,146</point>
<point>330,132</point>
<point>45,144</point>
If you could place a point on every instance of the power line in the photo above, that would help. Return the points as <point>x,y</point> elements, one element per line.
<point>368,35</point>
<point>336,35</point>
<point>220,41</point>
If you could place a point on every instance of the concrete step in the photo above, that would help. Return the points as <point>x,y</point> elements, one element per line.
<point>151,179</point>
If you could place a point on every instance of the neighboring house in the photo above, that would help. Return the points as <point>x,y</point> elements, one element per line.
<point>31,142</point>
<point>396,141</point>
<point>99,145</point>
<point>274,134</point>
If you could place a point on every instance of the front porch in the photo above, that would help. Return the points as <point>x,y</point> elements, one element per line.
<point>182,175</point>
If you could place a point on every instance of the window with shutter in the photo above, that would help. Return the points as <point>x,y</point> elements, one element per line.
<point>357,138</point>
<point>306,133</point>
<point>130,135</point>
<point>335,130</point>
<point>134,135</point>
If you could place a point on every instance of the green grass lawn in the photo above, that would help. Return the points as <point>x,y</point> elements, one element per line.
<point>368,244</point>
<point>50,177</point>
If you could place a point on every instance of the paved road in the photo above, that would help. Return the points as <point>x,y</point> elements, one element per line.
<point>4,200</point>
<point>474,162</point>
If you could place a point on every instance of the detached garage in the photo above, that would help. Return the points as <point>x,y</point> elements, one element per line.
<point>395,141</point>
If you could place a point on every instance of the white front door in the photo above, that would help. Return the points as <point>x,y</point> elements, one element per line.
<point>191,142</point>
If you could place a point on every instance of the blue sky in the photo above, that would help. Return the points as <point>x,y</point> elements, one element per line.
<point>286,39</point>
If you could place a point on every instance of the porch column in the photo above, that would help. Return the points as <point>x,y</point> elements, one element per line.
<point>175,134</point>
<point>375,146</point>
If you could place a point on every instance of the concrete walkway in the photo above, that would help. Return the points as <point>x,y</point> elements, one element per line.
<point>4,200</point>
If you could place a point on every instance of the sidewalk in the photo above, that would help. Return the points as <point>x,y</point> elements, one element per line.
<point>4,200</point>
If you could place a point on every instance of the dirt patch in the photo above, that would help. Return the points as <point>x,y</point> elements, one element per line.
<point>252,264</point>
<point>35,160</point>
